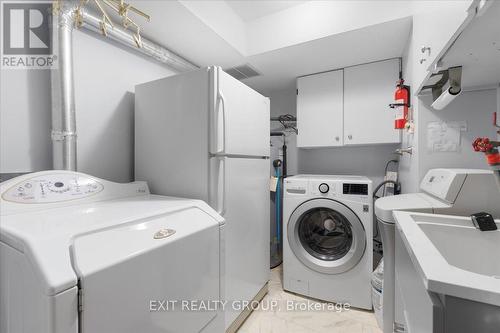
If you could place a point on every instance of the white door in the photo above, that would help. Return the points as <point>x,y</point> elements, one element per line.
<point>326,236</point>
<point>320,110</point>
<point>123,270</point>
<point>240,120</point>
<point>246,210</point>
<point>368,91</point>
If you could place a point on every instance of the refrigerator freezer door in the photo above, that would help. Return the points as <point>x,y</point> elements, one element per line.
<point>240,119</point>
<point>246,210</point>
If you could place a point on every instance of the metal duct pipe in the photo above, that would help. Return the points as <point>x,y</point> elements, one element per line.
<point>64,138</point>
<point>63,94</point>
<point>126,37</point>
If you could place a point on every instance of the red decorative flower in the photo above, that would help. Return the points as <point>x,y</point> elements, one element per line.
<point>483,145</point>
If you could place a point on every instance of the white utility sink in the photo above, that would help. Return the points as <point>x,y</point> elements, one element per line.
<point>452,256</point>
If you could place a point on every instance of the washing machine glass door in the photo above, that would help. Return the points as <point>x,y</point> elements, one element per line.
<point>326,236</point>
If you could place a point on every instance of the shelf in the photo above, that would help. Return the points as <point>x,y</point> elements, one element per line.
<point>477,50</point>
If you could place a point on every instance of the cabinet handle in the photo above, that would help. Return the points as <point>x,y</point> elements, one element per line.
<point>349,137</point>
<point>422,60</point>
<point>337,138</point>
<point>426,49</point>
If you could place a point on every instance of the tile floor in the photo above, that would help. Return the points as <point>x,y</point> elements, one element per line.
<point>280,319</point>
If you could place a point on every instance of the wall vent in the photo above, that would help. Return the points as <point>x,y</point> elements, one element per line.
<point>242,72</point>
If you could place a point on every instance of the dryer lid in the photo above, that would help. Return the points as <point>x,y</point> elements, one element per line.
<point>415,202</point>
<point>173,257</point>
<point>45,236</point>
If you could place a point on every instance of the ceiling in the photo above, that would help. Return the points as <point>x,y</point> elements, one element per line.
<point>281,67</point>
<point>250,10</point>
<point>196,36</point>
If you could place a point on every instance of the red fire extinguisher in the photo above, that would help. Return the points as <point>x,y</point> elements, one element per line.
<point>402,99</point>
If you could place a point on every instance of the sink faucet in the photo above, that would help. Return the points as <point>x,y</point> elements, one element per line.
<point>400,151</point>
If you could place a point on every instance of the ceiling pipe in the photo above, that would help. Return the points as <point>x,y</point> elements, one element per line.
<point>125,37</point>
<point>64,136</point>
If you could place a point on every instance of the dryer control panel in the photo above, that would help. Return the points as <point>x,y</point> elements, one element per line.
<point>53,188</point>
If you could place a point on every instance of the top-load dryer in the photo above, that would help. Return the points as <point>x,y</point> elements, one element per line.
<point>81,254</point>
<point>443,191</point>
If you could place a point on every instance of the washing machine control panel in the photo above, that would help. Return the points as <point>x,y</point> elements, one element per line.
<point>322,188</point>
<point>53,188</point>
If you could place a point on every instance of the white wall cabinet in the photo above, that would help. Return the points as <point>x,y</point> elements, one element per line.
<point>320,109</point>
<point>368,90</point>
<point>348,107</point>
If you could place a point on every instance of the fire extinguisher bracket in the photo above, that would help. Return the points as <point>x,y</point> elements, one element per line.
<point>394,105</point>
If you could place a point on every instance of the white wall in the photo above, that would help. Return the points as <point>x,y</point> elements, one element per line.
<point>24,120</point>
<point>105,75</point>
<point>473,107</point>
<point>498,110</point>
<point>366,160</point>
<point>476,109</point>
<point>219,16</point>
<point>408,164</point>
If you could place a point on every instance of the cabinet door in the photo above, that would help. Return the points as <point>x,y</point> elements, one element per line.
<point>368,91</point>
<point>320,110</point>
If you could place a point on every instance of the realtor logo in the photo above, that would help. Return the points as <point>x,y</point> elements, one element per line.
<point>27,35</point>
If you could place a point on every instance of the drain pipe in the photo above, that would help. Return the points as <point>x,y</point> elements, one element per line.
<point>64,137</point>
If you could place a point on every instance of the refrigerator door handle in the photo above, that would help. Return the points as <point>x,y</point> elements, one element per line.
<point>222,101</point>
<point>221,208</point>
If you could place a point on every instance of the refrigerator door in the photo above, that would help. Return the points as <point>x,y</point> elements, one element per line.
<point>244,203</point>
<point>240,117</point>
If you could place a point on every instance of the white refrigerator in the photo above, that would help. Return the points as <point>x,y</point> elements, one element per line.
<point>205,135</point>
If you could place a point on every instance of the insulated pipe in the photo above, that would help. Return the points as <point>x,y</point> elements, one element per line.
<point>64,144</point>
<point>63,94</point>
<point>126,37</point>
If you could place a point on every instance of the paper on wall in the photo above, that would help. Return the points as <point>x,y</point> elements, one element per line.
<point>273,184</point>
<point>445,136</point>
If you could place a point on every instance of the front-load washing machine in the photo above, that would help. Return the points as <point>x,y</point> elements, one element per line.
<point>80,254</point>
<point>327,250</point>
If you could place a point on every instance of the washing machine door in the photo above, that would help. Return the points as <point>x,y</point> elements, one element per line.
<point>326,236</point>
